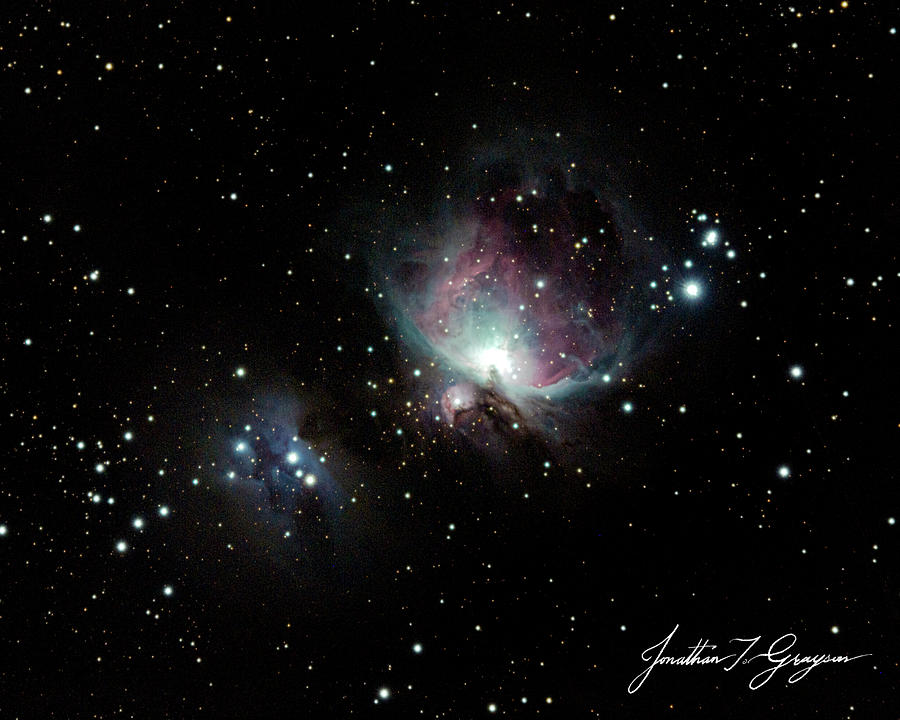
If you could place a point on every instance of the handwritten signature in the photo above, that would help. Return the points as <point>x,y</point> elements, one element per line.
<point>778,655</point>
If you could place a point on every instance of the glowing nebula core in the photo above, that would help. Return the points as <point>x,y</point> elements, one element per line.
<point>528,302</point>
<point>523,299</point>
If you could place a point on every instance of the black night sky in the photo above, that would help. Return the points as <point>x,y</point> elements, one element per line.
<point>418,359</point>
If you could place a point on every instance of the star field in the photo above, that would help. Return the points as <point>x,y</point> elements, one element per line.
<point>424,360</point>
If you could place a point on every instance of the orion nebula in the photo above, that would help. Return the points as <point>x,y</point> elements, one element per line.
<point>526,295</point>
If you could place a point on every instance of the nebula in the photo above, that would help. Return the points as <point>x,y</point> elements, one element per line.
<point>278,465</point>
<point>527,293</point>
<point>526,304</point>
<point>282,478</point>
